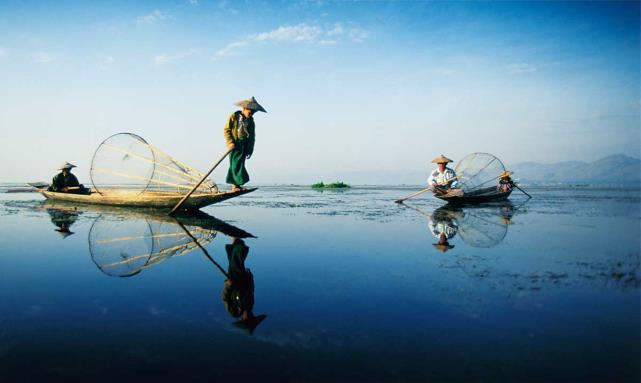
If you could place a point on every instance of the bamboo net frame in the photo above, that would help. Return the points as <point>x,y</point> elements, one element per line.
<point>471,178</point>
<point>117,251</point>
<point>125,161</point>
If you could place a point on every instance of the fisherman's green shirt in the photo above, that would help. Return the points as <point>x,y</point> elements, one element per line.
<point>239,128</point>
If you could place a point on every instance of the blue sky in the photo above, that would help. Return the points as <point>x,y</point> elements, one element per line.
<point>349,86</point>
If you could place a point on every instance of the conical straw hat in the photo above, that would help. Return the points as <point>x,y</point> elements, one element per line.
<point>505,173</point>
<point>66,165</point>
<point>251,104</point>
<point>64,233</point>
<point>441,159</point>
<point>443,247</point>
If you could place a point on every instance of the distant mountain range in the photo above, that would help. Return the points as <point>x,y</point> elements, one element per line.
<point>617,169</point>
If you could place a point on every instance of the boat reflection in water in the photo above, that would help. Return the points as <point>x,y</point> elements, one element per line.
<point>124,242</point>
<point>482,226</point>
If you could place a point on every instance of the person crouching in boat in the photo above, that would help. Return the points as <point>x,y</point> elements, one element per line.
<point>240,137</point>
<point>442,178</point>
<point>65,182</point>
<point>505,182</point>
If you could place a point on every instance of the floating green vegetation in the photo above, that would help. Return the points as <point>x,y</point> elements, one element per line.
<point>333,185</point>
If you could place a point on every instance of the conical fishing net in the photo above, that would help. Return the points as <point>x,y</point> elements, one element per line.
<point>125,162</point>
<point>122,247</point>
<point>478,171</point>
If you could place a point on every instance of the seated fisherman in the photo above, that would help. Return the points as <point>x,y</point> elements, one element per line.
<point>65,182</point>
<point>442,178</point>
<point>505,182</point>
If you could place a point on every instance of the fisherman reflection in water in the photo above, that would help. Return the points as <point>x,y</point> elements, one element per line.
<point>238,293</point>
<point>443,226</point>
<point>63,220</point>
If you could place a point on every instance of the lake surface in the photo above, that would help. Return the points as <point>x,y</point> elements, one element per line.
<point>331,286</point>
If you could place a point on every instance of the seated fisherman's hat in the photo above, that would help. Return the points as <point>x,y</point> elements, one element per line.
<point>443,246</point>
<point>66,165</point>
<point>251,104</point>
<point>441,159</point>
<point>505,173</point>
<point>64,232</point>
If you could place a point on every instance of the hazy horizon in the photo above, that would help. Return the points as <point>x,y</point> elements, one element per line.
<point>349,87</point>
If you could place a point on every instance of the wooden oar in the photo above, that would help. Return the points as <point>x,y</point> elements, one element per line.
<point>523,191</point>
<point>179,204</point>
<point>426,189</point>
<point>205,252</point>
<point>414,195</point>
<point>39,185</point>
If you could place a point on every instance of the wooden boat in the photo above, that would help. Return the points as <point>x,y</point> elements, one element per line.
<point>127,171</point>
<point>478,178</point>
<point>148,199</point>
<point>489,194</point>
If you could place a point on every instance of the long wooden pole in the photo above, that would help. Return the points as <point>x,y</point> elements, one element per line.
<point>414,195</point>
<point>426,189</point>
<point>202,248</point>
<point>179,204</point>
<point>529,196</point>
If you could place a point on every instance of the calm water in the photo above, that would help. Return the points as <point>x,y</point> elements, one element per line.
<point>334,286</point>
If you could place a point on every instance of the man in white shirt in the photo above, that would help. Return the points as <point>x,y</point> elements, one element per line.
<point>442,178</point>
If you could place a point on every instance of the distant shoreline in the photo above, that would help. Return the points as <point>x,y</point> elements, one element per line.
<point>5,185</point>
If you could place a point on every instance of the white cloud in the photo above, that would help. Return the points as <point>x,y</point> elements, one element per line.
<point>152,18</point>
<point>337,30</point>
<point>167,59</point>
<point>300,33</point>
<point>224,6</point>
<point>358,35</point>
<point>41,57</point>
<point>521,68</point>
<point>231,49</point>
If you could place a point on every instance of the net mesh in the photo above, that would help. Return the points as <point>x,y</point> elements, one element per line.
<point>478,171</point>
<point>122,248</point>
<point>482,227</point>
<point>125,162</point>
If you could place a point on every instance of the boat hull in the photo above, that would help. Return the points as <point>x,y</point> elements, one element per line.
<point>145,200</point>
<point>476,198</point>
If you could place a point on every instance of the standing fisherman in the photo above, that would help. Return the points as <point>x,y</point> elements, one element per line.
<point>240,136</point>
